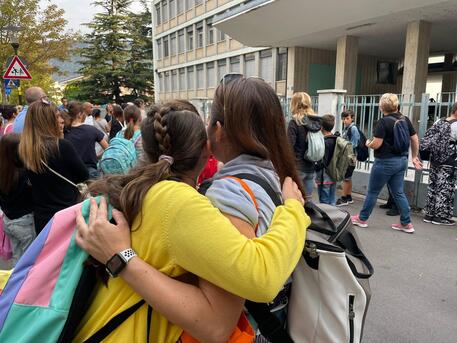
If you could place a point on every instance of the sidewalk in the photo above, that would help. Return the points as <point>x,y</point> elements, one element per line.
<point>415,281</point>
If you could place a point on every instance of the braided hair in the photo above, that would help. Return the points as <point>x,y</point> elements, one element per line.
<point>180,135</point>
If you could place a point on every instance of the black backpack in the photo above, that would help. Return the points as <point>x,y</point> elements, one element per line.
<point>362,152</point>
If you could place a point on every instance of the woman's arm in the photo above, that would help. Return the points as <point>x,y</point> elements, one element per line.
<point>214,251</point>
<point>206,311</point>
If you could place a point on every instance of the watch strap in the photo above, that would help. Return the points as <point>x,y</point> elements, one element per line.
<point>127,254</point>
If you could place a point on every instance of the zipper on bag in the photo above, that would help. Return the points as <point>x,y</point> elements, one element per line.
<point>351,316</point>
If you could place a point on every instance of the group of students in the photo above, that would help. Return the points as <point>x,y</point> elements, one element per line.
<point>317,172</point>
<point>46,153</point>
<point>246,248</point>
<point>390,163</point>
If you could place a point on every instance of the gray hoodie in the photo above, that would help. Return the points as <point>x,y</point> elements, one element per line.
<point>229,196</point>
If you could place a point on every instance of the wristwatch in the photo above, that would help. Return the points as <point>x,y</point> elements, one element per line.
<point>118,262</point>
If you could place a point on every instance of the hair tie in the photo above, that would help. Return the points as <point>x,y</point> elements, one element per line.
<point>167,158</point>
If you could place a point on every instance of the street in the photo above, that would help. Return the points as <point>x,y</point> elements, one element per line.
<point>414,287</point>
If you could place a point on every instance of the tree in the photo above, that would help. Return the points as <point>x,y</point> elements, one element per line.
<point>42,37</point>
<point>139,70</point>
<point>117,54</point>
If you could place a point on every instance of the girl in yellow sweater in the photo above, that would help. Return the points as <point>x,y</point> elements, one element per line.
<point>176,230</point>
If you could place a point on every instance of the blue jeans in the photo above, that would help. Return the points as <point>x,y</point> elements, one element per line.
<point>390,171</point>
<point>308,184</point>
<point>327,194</point>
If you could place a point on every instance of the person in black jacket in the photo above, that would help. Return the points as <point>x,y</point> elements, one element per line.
<point>300,107</point>
<point>117,121</point>
<point>15,197</point>
<point>53,166</point>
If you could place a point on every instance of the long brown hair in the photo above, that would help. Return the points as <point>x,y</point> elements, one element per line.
<point>132,115</point>
<point>40,137</point>
<point>9,159</point>
<point>178,134</point>
<point>252,117</point>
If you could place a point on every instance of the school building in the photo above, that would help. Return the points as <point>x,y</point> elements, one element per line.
<point>360,46</point>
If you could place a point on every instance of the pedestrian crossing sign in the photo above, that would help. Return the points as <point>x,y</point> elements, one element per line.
<point>17,70</point>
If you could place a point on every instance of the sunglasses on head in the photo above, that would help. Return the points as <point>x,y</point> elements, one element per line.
<point>227,78</point>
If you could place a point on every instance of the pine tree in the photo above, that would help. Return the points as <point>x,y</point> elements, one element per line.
<point>117,54</point>
<point>139,69</point>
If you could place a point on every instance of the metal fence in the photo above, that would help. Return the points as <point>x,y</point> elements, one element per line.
<point>422,112</point>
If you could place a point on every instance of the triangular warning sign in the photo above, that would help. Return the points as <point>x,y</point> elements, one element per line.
<point>17,70</point>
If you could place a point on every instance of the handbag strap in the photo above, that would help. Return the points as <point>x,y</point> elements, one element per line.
<point>59,175</point>
<point>116,321</point>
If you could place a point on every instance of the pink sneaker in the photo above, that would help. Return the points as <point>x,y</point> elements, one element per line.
<point>408,228</point>
<point>357,221</point>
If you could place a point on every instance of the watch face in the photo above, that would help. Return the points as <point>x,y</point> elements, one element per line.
<point>115,265</point>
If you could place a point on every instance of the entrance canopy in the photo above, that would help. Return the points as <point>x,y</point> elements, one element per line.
<point>379,25</point>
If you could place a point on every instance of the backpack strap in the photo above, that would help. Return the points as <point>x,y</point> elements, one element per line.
<point>269,325</point>
<point>264,184</point>
<point>249,191</point>
<point>116,321</point>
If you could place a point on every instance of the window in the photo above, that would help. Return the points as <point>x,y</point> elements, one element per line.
<point>281,68</point>
<point>190,38</point>
<point>181,42</point>
<point>210,75</point>
<point>209,32</point>
<point>221,68</point>
<point>249,65</point>
<point>199,35</point>
<point>235,64</point>
<point>166,52</point>
<point>173,44</point>
<point>221,36</point>
<point>190,78</point>
<point>179,6</point>
<point>189,4</point>
<point>200,77</point>
<point>165,11</point>
<point>174,81</point>
<point>182,79</point>
<point>167,82</point>
<point>266,65</point>
<point>172,8</point>
<point>159,48</point>
<point>198,2</point>
<point>158,15</point>
<point>161,82</point>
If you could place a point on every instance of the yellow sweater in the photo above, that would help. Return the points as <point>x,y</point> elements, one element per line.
<point>181,231</point>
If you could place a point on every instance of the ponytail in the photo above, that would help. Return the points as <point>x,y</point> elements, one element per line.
<point>130,130</point>
<point>132,115</point>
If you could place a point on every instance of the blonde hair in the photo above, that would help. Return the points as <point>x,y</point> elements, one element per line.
<point>40,137</point>
<point>300,106</point>
<point>388,103</point>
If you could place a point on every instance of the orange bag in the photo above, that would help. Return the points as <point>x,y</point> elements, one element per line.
<point>243,333</point>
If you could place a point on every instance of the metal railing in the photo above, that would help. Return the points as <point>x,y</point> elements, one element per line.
<point>422,113</point>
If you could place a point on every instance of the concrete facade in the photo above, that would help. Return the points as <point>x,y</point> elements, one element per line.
<point>347,49</point>
<point>417,47</point>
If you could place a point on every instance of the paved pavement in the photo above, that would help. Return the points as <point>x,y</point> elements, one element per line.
<point>415,282</point>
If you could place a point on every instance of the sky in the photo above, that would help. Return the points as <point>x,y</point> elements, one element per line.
<point>77,12</point>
